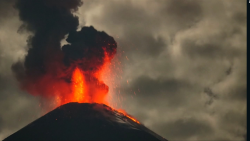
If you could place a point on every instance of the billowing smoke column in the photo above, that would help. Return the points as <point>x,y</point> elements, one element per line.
<point>69,73</point>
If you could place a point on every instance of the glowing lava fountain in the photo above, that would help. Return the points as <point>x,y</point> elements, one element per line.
<point>79,87</point>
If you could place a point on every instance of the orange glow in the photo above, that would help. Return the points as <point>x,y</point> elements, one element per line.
<point>133,119</point>
<point>128,116</point>
<point>84,86</point>
<point>87,86</point>
<point>91,90</point>
<point>78,86</point>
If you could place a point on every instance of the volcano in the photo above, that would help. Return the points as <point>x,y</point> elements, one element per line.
<point>85,121</point>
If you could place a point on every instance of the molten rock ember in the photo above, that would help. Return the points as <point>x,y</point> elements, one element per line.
<point>75,121</point>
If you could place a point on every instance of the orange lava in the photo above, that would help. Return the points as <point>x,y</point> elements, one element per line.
<point>80,93</point>
<point>86,86</point>
<point>88,90</point>
<point>128,116</point>
<point>133,119</point>
<point>79,87</point>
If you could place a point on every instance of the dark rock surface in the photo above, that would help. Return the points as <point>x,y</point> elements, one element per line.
<point>84,121</point>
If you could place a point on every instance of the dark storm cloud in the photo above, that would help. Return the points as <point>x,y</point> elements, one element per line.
<point>149,88</point>
<point>183,128</point>
<point>161,92</point>
<point>137,39</point>
<point>130,16</point>
<point>211,96</point>
<point>211,50</point>
<point>1,123</point>
<point>233,117</point>
<point>6,9</point>
<point>158,95</point>
<point>238,93</point>
<point>207,50</point>
<point>137,25</point>
<point>237,120</point>
<point>142,43</point>
<point>17,108</point>
<point>183,13</point>
<point>240,18</point>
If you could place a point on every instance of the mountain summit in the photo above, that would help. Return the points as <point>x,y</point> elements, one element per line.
<point>84,121</point>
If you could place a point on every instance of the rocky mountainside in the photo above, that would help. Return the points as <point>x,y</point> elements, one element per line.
<point>84,121</point>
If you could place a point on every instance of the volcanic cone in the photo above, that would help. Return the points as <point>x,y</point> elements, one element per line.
<point>84,121</point>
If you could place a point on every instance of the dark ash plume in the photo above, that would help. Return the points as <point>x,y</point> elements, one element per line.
<point>49,21</point>
<point>48,67</point>
<point>88,47</point>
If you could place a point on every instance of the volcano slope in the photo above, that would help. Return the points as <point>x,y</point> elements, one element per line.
<point>84,121</point>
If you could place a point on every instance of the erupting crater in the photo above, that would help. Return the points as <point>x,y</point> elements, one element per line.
<point>70,73</point>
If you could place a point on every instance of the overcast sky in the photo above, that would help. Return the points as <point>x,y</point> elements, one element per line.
<point>183,62</point>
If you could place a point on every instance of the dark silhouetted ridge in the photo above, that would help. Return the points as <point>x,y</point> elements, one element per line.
<point>84,121</point>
